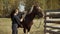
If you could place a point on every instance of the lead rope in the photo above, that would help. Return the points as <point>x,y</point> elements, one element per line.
<point>38,25</point>
<point>23,16</point>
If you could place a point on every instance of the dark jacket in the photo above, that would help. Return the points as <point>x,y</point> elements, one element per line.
<point>16,20</point>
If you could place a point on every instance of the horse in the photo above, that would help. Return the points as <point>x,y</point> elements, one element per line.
<point>28,20</point>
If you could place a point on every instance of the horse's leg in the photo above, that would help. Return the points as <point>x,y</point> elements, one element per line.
<point>28,30</point>
<point>24,30</point>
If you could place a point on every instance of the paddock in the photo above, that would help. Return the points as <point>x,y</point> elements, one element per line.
<point>5,27</point>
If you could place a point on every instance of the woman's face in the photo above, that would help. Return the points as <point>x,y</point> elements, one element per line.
<point>17,11</point>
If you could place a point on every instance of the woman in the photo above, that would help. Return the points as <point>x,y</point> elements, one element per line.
<point>15,21</point>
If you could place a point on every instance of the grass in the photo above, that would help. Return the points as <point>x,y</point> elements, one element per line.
<point>5,27</point>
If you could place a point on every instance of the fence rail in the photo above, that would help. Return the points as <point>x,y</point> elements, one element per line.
<point>52,21</point>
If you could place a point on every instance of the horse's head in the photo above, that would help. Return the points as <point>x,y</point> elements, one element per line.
<point>37,10</point>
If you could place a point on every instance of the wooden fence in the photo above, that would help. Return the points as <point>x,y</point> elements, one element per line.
<point>52,22</point>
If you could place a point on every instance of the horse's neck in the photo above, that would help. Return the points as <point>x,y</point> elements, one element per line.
<point>31,16</point>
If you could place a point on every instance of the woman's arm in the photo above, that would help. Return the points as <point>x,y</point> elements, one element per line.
<point>17,19</point>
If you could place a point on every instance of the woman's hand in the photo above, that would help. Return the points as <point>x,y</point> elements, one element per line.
<point>21,20</point>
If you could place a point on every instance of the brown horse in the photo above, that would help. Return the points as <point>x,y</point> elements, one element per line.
<point>28,20</point>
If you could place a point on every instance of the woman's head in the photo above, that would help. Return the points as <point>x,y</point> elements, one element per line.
<point>14,11</point>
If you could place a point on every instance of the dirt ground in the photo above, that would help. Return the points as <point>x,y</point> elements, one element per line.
<point>5,27</point>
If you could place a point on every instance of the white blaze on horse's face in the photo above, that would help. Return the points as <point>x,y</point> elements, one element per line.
<point>24,33</point>
<point>28,33</point>
<point>39,7</point>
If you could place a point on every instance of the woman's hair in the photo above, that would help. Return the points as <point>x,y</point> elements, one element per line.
<point>12,13</point>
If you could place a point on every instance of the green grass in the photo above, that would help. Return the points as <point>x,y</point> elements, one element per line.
<point>5,27</point>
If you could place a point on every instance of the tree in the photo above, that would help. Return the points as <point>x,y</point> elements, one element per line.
<point>6,6</point>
